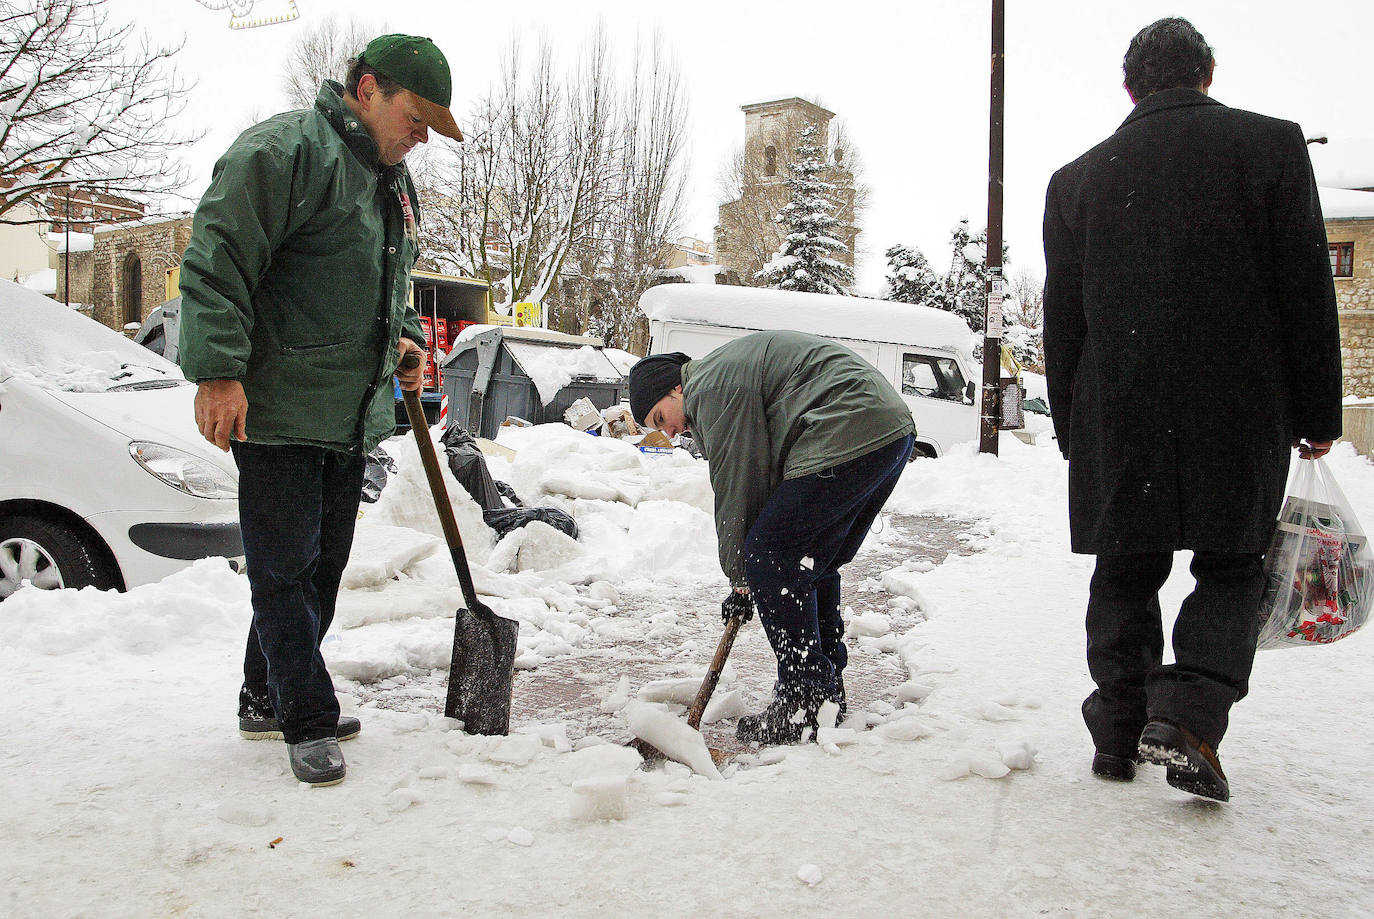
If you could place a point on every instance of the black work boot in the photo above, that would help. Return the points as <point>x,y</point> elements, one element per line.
<point>785,721</point>
<point>1114,767</point>
<point>1192,764</point>
<point>317,762</point>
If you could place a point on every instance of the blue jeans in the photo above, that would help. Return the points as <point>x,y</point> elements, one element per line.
<point>297,509</point>
<point>807,530</point>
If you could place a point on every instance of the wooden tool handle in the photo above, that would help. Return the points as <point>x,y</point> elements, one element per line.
<point>708,685</point>
<point>416,414</point>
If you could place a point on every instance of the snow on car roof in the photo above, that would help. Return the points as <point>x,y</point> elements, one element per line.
<point>858,318</point>
<point>55,347</point>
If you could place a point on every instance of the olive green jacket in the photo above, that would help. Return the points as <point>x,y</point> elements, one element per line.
<point>295,278</point>
<point>780,405</point>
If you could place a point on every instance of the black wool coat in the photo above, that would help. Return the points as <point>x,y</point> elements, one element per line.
<point>1190,326</point>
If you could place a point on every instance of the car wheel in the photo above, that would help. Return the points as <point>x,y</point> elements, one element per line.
<point>49,555</point>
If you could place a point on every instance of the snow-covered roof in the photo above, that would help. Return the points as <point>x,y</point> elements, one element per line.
<point>1345,204</point>
<point>1344,162</point>
<point>143,222</point>
<point>857,318</point>
<point>43,281</point>
<point>80,242</point>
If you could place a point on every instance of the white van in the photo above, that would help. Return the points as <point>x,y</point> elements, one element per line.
<point>925,353</point>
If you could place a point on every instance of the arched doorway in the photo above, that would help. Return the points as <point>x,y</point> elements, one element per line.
<point>133,288</point>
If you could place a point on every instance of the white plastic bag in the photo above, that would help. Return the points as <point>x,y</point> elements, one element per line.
<point>1319,571</point>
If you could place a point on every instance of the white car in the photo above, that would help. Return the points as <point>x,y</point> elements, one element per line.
<point>104,478</point>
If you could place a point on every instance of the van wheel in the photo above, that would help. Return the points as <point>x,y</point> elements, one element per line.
<point>920,451</point>
<point>49,555</point>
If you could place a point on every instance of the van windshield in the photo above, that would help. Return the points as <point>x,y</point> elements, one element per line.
<point>932,377</point>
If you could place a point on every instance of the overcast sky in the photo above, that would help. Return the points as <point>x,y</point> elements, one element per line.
<point>910,79</point>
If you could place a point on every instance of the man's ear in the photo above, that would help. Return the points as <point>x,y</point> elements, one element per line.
<point>367,88</point>
<point>1211,68</point>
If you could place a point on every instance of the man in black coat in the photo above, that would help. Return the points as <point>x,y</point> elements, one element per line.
<point>1191,341</point>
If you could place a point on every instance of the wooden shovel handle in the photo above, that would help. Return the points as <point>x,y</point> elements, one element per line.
<point>416,414</point>
<point>708,685</point>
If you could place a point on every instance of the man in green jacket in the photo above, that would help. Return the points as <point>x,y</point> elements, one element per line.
<point>805,442</point>
<point>295,316</point>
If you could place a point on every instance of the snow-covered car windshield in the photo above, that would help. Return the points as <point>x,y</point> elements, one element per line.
<point>55,347</point>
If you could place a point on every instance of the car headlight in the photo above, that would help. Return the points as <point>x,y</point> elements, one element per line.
<point>184,472</point>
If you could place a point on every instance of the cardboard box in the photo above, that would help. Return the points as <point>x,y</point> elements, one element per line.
<point>582,415</point>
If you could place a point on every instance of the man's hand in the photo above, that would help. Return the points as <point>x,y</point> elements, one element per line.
<point>413,378</point>
<point>222,412</point>
<point>738,605</point>
<point>1312,449</point>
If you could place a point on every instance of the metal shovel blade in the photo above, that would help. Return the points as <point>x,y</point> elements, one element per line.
<point>482,670</point>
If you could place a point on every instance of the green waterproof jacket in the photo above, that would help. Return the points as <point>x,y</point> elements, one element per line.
<point>780,405</point>
<point>295,278</point>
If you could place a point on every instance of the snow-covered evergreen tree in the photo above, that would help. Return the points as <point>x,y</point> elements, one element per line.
<point>809,258</point>
<point>910,278</point>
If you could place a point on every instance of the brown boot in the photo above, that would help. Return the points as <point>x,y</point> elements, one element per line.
<point>1192,763</point>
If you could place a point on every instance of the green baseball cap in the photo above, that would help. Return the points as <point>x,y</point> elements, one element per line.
<point>419,66</point>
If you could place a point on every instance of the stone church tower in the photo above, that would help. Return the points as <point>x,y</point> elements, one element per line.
<point>746,235</point>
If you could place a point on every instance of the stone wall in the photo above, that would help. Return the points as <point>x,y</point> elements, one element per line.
<point>122,253</point>
<point>81,263</point>
<point>1355,299</point>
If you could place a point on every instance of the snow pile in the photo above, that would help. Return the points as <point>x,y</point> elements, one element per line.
<point>203,603</point>
<point>552,368</point>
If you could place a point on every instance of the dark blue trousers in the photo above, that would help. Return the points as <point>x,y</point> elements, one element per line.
<point>1214,641</point>
<point>297,509</point>
<point>809,528</point>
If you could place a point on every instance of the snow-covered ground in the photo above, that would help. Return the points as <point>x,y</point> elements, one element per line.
<point>963,789</point>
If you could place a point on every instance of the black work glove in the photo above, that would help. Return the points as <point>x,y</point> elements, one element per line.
<point>737,606</point>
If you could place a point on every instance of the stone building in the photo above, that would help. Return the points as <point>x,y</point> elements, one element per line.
<point>125,275</point>
<point>747,236</point>
<point>1350,239</point>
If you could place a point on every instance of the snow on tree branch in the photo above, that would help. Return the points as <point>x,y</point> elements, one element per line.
<point>84,103</point>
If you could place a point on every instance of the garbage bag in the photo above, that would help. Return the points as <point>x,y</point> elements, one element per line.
<point>469,467</point>
<point>380,466</point>
<point>506,519</point>
<point>508,493</point>
<point>1319,571</point>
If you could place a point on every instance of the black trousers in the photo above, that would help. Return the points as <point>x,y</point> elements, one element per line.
<point>810,527</point>
<point>1214,645</point>
<point>297,509</point>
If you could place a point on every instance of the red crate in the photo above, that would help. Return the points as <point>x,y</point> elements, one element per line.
<point>441,332</point>
<point>429,332</point>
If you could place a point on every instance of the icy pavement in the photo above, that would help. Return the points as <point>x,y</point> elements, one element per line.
<point>574,689</point>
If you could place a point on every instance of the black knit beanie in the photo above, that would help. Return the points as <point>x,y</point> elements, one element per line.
<point>653,378</point>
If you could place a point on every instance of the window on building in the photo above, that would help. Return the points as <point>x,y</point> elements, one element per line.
<point>1342,259</point>
<point>770,160</point>
<point>932,377</point>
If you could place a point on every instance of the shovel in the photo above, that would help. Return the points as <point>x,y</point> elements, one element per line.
<point>698,708</point>
<point>482,670</point>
